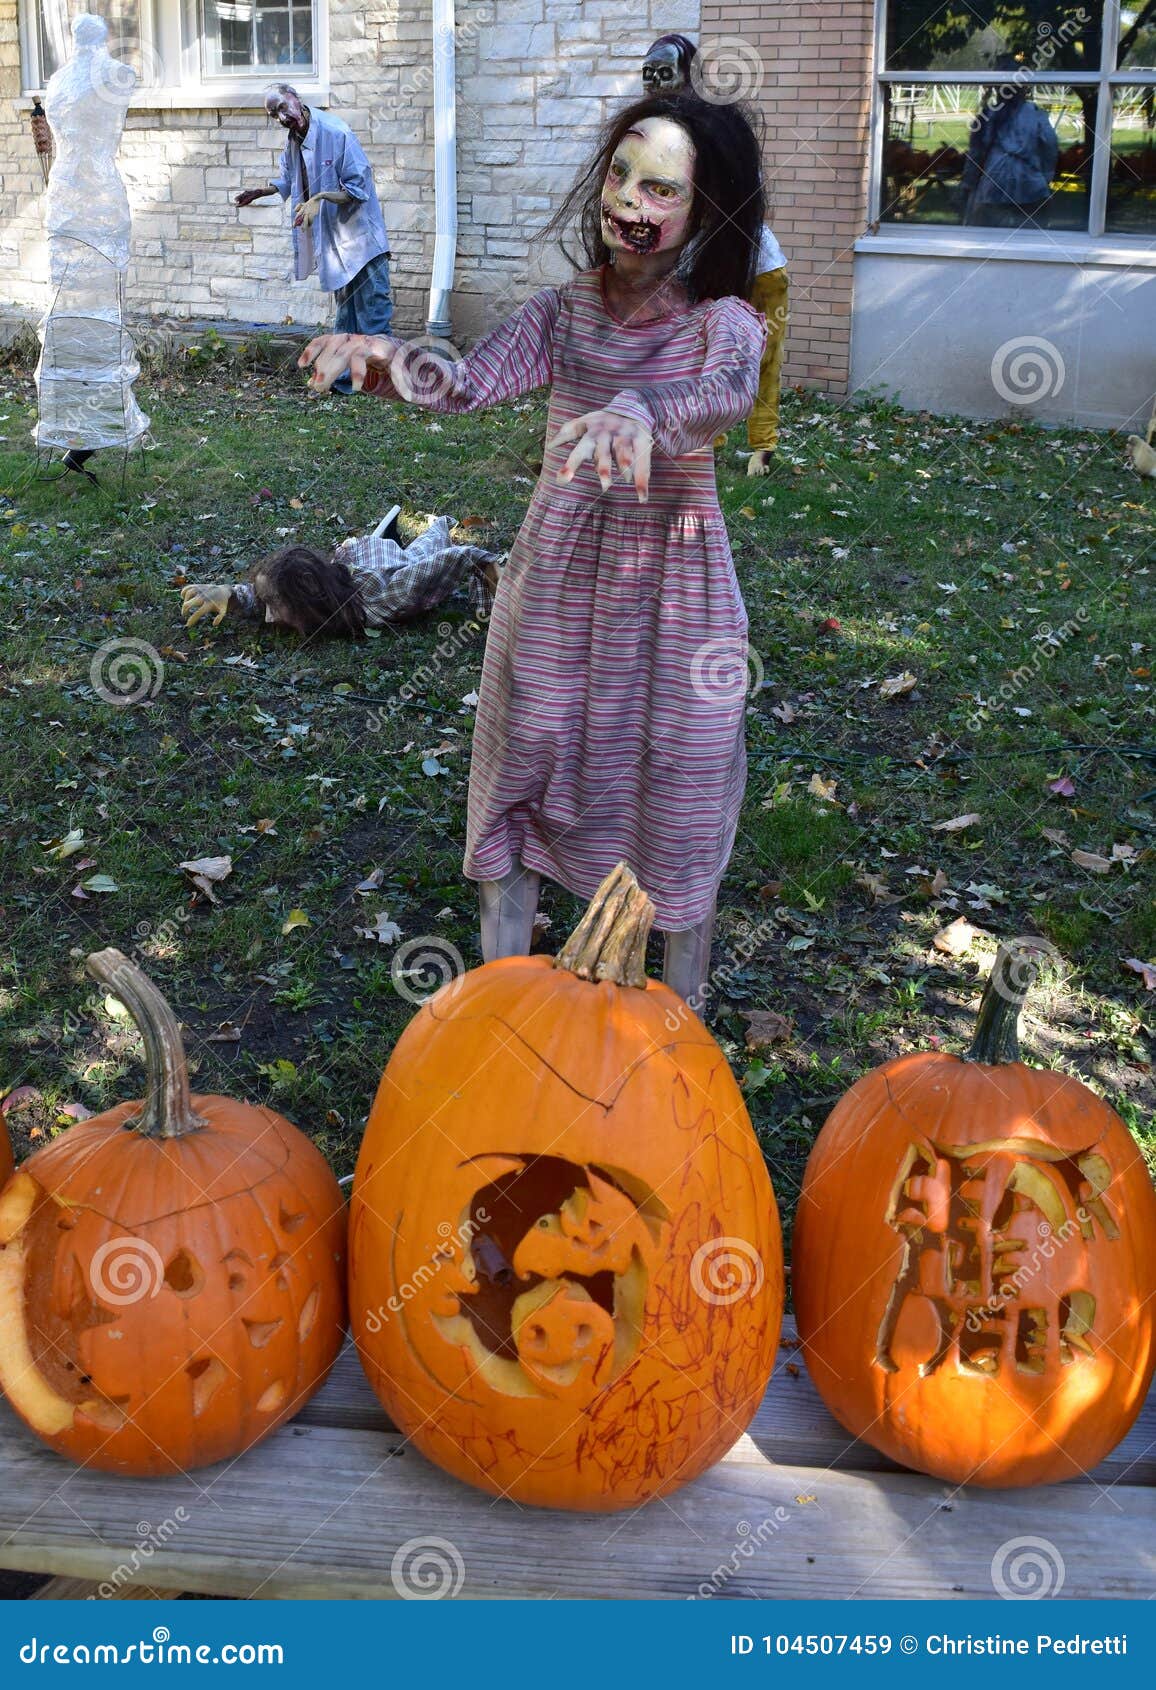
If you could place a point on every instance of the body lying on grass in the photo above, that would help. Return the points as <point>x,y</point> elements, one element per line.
<point>366,582</point>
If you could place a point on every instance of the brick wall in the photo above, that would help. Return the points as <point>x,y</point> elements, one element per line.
<point>815,96</point>
<point>535,77</point>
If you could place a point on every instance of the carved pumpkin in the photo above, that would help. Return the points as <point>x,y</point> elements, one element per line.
<point>171,1274</point>
<point>565,1261</point>
<point>974,1267</point>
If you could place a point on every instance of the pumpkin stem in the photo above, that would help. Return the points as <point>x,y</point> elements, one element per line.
<point>609,943</point>
<point>997,1025</point>
<point>168,1110</point>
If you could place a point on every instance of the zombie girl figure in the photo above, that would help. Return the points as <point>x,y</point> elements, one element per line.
<point>610,721</point>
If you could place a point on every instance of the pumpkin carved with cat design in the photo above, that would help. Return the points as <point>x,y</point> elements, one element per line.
<point>565,1262</point>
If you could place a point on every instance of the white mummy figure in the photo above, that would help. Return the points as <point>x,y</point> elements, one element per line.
<point>87,364</point>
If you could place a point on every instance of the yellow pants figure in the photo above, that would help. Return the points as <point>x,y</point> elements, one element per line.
<point>769,295</point>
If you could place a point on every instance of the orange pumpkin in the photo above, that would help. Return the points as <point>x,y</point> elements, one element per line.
<point>171,1274</point>
<point>7,1160</point>
<point>974,1266</point>
<point>565,1260</point>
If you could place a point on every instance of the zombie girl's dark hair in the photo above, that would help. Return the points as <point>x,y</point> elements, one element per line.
<point>318,589</point>
<point>727,215</point>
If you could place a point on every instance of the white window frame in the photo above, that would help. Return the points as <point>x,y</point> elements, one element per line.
<point>1071,246</point>
<point>170,30</point>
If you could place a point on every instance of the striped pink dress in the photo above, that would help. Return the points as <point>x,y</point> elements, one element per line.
<point>612,701</point>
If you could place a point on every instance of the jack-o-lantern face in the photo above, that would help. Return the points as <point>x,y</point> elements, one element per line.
<point>975,1265</point>
<point>168,1297</point>
<point>564,1250</point>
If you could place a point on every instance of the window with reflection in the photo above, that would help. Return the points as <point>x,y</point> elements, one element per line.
<point>256,35</point>
<point>991,109</point>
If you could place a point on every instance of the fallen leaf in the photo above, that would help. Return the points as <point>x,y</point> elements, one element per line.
<point>956,938</point>
<point>371,881</point>
<point>431,766</point>
<point>1092,860</point>
<point>1124,853</point>
<point>784,712</point>
<point>896,684</point>
<point>295,918</point>
<point>765,1027</point>
<point>20,1098</point>
<point>1065,787</point>
<point>75,1112</point>
<point>1056,835</point>
<point>957,823</point>
<point>66,847</point>
<point>1145,970</point>
<point>382,930</point>
<point>205,872</point>
<point>880,892</point>
<point>227,1033</point>
<point>100,883</point>
<point>822,789</point>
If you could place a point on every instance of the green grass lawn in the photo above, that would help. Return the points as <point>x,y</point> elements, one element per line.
<point>1007,569</point>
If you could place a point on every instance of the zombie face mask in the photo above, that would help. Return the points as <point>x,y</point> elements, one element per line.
<point>649,189</point>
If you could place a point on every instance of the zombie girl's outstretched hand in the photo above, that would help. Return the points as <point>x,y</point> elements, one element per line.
<point>608,439</point>
<point>332,354</point>
<point>199,601</point>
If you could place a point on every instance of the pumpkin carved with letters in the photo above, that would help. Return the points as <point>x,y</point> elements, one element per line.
<point>974,1267</point>
<point>566,1270</point>
<point>171,1274</point>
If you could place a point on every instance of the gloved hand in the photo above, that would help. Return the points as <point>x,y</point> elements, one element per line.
<point>198,602</point>
<point>307,211</point>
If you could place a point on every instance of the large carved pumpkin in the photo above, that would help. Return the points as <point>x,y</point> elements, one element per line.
<point>171,1274</point>
<point>566,1269</point>
<point>974,1266</point>
<point>7,1162</point>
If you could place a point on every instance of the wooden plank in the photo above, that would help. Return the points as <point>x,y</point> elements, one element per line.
<point>317,1512</point>
<point>792,1427</point>
<point>80,1590</point>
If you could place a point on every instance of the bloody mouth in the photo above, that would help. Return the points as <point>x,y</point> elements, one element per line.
<point>639,235</point>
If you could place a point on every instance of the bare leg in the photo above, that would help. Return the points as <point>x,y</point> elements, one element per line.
<point>686,964</point>
<point>508,907</point>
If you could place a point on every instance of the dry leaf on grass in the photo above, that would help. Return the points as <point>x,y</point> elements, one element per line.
<point>896,684</point>
<point>207,872</point>
<point>1146,971</point>
<point>765,1027</point>
<point>957,823</point>
<point>1092,860</point>
<point>956,938</point>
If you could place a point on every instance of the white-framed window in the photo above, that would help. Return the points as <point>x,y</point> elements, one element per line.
<point>190,52</point>
<point>1017,115</point>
